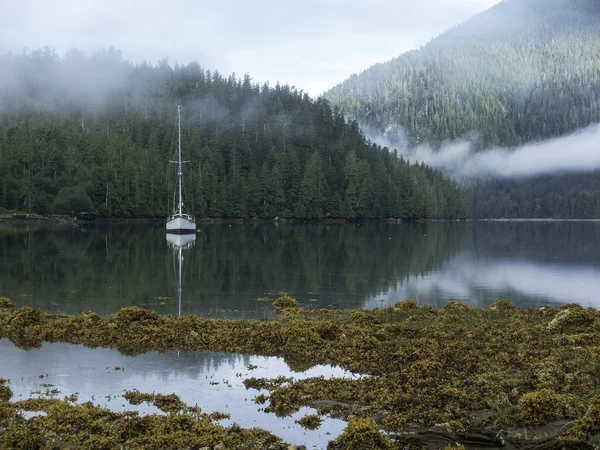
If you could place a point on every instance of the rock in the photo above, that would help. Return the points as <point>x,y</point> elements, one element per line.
<point>502,305</point>
<point>571,316</point>
<point>219,446</point>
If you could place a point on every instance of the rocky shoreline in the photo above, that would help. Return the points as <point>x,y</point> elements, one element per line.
<point>456,377</point>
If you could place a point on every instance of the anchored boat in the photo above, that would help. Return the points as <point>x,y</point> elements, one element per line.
<point>180,222</point>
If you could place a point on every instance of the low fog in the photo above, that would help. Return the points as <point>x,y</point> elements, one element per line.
<point>575,153</point>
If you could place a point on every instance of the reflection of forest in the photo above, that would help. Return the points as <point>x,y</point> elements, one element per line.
<point>194,365</point>
<point>563,242</point>
<point>529,263</point>
<point>71,269</point>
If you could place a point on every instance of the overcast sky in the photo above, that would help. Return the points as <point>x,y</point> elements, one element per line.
<point>311,44</point>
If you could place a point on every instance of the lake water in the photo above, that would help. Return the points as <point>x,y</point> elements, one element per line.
<point>226,268</point>
<point>70,269</point>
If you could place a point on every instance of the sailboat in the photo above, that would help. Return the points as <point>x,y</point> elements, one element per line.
<point>179,222</point>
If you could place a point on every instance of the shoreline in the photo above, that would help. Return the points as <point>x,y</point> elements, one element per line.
<point>26,219</point>
<point>536,220</point>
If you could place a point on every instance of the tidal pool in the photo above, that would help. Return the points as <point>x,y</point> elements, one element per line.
<point>213,381</point>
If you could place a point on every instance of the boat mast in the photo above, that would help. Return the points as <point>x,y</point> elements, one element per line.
<point>179,158</point>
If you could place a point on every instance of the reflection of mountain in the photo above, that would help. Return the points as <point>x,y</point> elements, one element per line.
<point>527,263</point>
<point>481,282</point>
<point>104,269</point>
<point>563,242</point>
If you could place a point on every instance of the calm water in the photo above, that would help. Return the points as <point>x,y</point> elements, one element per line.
<point>70,269</point>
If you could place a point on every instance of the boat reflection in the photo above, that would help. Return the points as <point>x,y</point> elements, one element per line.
<point>180,243</point>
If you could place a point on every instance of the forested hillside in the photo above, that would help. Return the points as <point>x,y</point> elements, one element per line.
<point>524,70</point>
<point>96,133</point>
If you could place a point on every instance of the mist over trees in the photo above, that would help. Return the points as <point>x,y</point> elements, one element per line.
<point>80,133</point>
<point>523,71</point>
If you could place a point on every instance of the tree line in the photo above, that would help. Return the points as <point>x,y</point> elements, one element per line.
<point>96,133</point>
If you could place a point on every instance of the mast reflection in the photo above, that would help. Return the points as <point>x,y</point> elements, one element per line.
<point>180,243</point>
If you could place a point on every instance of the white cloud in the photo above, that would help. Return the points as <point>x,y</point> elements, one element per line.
<point>578,152</point>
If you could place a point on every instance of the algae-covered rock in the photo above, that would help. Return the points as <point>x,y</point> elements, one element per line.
<point>538,408</point>
<point>23,327</point>
<point>585,428</point>
<point>284,301</point>
<point>5,392</point>
<point>502,305</point>
<point>361,434</point>
<point>327,330</point>
<point>5,303</point>
<point>166,403</point>
<point>406,304</point>
<point>455,306</point>
<point>310,421</point>
<point>85,426</point>
<point>573,315</point>
<point>133,314</point>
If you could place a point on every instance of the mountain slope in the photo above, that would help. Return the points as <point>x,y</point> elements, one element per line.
<point>521,71</point>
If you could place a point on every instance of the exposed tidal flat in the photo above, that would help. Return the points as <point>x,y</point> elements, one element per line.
<point>421,377</point>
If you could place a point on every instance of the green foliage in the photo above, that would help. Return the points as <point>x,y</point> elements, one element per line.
<point>71,199</point>
<point>254,151</point>
<point>562,196</point>
<point>525,70</point>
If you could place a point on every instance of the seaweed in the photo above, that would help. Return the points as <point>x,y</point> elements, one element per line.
<point>361,434</point>
<point>310,421</point>
<point>416,367</point>
<point>5,303</point>
<point>65,425</point>
<point>284,301</point>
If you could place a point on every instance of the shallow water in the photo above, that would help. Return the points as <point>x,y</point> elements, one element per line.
<point>213,381</point>
<point>70,269</point>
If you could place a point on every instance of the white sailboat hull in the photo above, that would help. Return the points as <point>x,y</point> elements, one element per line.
<point>180,225</point>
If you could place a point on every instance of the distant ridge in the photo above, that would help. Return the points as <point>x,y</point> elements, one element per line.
<point>522,70</point>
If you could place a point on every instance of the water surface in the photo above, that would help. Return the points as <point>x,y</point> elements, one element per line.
<point>70,269</point>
